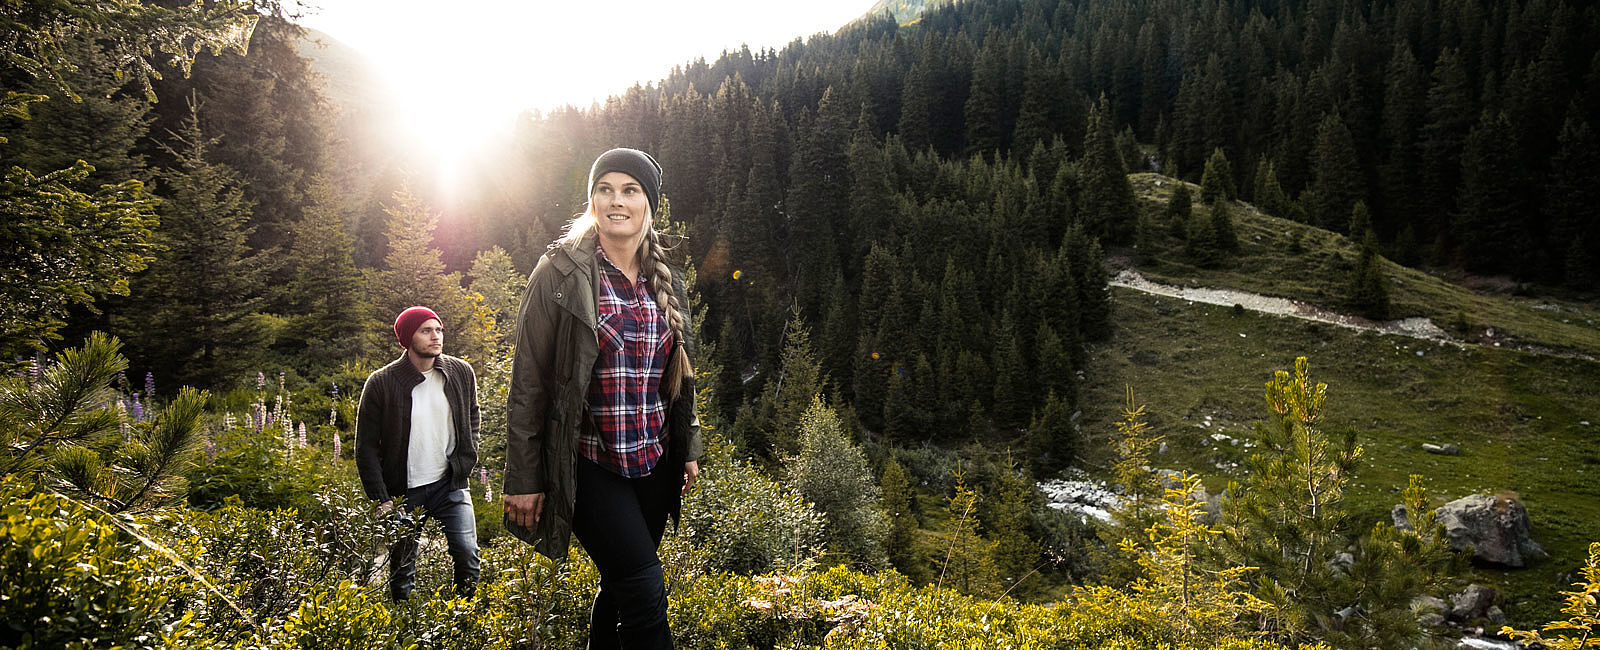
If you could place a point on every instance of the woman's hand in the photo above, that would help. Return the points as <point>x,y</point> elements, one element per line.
<point>524,509</point>
<point>691,473</point>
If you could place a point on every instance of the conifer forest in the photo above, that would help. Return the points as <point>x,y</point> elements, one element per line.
<point>1186,324</point>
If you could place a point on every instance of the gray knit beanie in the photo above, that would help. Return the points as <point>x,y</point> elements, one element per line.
<point>635,163</point>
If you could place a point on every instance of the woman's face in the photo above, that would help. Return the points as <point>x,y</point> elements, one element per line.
<point>620,206</point>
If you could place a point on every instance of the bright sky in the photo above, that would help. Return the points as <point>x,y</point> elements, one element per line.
<point>460,71</point>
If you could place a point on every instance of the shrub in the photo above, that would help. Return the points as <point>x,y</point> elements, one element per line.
<point>70,579</point>
<point>740,521</point>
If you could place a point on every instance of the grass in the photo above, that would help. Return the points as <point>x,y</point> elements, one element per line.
<point>1516,416</point>
<point>1319,274</point>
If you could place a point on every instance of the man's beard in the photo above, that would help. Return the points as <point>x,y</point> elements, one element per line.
<point>424,354</point>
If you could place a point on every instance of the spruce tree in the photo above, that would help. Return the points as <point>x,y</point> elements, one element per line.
<point>1012,396</point>
<point>1222,223</point>
<point>1339,181</point>
<point>1568,207</point>
<point>1053,441</point>
<point>414,274</point>
<point>797,385</point>
<point>831,472</point>
<point>325,293</point>
<point>902,544</point>
<point>200,291</point>
<point>1106,206</point>
<point>1217,181</point>
<point>1179,210</point>
<point>1369,285</point>
<point>1007,518</point>
<point>968,565</point>
<point>1489,223</point>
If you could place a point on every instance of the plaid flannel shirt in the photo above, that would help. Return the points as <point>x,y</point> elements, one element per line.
<point>625,393</point>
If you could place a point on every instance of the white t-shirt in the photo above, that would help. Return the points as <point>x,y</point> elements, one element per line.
<point>432,431</point>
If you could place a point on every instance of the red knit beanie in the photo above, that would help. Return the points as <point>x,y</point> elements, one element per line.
<point>408,321</point>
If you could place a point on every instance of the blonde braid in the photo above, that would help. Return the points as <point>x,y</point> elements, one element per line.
<point>667,301</point>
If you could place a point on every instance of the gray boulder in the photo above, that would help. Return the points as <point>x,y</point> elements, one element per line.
<point>1495,527</point>
<point>1429,610</point>
<point>1472,604</point>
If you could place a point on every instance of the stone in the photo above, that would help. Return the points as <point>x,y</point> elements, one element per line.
<point>1472,604</point>
<point>1402,519</point>
<point>1496,528</point>
<point>1447,449</point>
<point>1429,610</point>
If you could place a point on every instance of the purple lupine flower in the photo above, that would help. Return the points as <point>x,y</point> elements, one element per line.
<point>122,381</point>
<point>136,409</point>
<point>302,435</point>
<point>280,382</point>
<point>35,368</point>
<point>149,385</point>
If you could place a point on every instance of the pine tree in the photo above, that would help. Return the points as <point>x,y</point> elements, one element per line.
<point>1201,244</point>
<point>1288,517</point>
<point>493,277</point>
<point>1011,381</point>
<point>325,295</point>
<point>1369,285</point>
<point>415,275</point>
<point>1179,211</point>
<point>968,558</point>
<point>1217,181</point>
<point>1007,520</point>
<point>1052,437</point>
<point>915,109</point>
<point>201,291</point>
<point>1572,215</point>
<point>1339,182</point>
<point>985,132</point>
<point>902,545</point>
<point>797,385</point>
<point>831,472</point>
<point>1489,224</point>
<point>1106,205</point>
<point>1222,223</point>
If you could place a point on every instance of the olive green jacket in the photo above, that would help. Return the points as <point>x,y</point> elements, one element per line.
<point>556,348</point>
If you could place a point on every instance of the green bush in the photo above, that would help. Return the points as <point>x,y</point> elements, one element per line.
<point>258,470</point>
<point>70,579</point>
<point>740,521</point>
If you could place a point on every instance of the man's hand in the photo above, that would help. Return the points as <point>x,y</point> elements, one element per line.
<point>524,509</point>
<point>691,473</point>
<point>386,507</point>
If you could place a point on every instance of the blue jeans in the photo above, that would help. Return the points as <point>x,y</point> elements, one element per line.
<point>453,509</point>
<point>620,521</point>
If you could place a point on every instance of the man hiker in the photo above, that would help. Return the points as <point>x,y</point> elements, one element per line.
<point>416,438</point>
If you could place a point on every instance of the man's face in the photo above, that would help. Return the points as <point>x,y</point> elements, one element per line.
<point>428,341</point>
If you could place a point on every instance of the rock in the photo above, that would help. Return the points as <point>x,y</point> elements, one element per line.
<point>1447,449</point>
<point>1341,562</point>
<point>1496,616</point>
<point>1402,519</point>
<point>1495,527</point>
<point>1472,604</point>
<point>1429,610</point>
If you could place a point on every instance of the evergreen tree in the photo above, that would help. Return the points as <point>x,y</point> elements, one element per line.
<point>325,294</point>
<point>1052,437</point>
<point>1179,210</point>
<point>968,558</point>
<point>1339,182</point>
<point>1202,246</point>
<point>1491,203</point>
<point>831,472</point>
<point>1568,208</point>
<point>1288,517</point>
<point>901,544</point>
<point>1011,381</point>
<point>1222,223</point>
<point>200,292</point>
<point>985,105</point>
<point>1369,285</point>
<point>915,109</point>
<point>415,275</point>
<point>1008,521</point>
<point>1217,181</point>
<point>1106,206</point>
<point>797,385</point>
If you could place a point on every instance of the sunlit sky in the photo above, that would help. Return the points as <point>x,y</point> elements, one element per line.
<point>459,72</point>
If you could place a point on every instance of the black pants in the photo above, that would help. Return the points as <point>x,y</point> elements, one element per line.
<point>453,509</point>
<point>619,521</point>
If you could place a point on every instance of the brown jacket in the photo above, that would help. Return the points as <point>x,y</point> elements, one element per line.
<point>555,355</point>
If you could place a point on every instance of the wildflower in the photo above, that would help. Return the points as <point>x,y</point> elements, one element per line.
<point>228,421</point>
<point>149,385</point>
<point>483,477</point>
<point>35,368</point>
<point>302,435</point>
<point>333,408</point>
<point>336,445</point>
<point>136,409</point>
<point>261,381</point>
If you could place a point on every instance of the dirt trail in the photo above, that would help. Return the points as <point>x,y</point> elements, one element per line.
<point>1416,327</point>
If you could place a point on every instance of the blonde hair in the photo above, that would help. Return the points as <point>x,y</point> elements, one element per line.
<point>652,257</point>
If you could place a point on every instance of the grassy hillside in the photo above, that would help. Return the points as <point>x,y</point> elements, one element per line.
<point>1319,274</point>
<point>1518,417</point>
